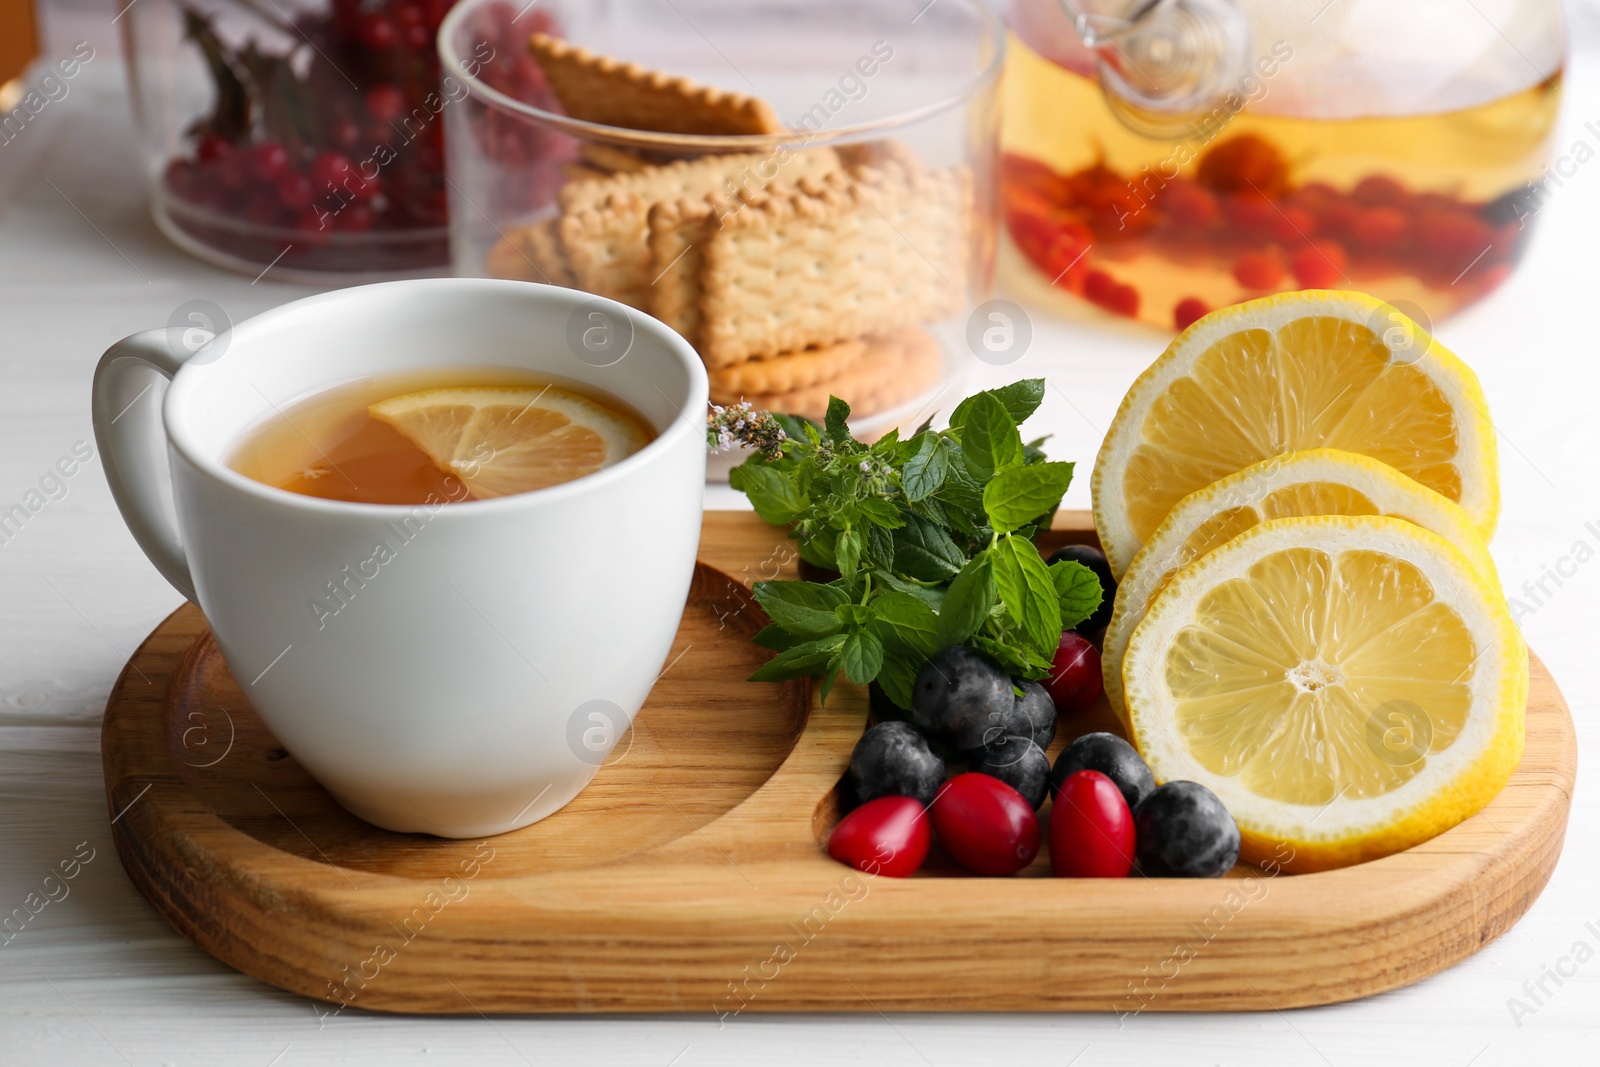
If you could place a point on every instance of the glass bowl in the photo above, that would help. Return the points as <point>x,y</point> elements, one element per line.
<point>301,134</point>
<point>839,249</point>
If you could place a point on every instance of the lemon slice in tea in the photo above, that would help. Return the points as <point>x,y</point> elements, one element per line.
<point>501,441</point>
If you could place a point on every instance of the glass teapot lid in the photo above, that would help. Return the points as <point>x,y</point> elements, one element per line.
<point>1328,58</point>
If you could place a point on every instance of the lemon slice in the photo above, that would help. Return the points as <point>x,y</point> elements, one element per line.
<point>1319,481</point>
<point>1311,369</point>
<point>1348,687</point>
<point>512,440</point>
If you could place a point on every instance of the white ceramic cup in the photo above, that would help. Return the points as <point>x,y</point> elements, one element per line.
<point>484,660</point>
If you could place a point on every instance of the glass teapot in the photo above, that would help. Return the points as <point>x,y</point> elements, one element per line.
<point>1167,157</point>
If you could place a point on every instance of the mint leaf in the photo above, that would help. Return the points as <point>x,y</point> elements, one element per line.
<point>968,601</point>
<point>804,608</point>
<point>1013,658</point>
<point>861,656</point>
<point>962,497</point>
<point>880,512</point>
<point>925,552</point>
<point>776,638</point>
<point>925,471</point>
<point>1078,589</point>
<point>1020,399</point>
<point>905,623</point>
<point>990,442</point>
<point>834,422</point>
<point>847,552</point>
<point>1018,496</point>
<point>1025,587</point>
<point>800,661</point>
<point>931,595</point>
<point>898,678</point>
<point>879,547</point>
<point>775,497</point>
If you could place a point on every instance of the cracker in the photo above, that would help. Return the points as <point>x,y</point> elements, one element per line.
<point>789,371</point>
<point>544,248</point>
<point>596,88</point>
<point>892,369</point>
<point>509,259</point>
<point>678,230</point>
<point>724,174</point>
<point>835,260</point>
<point>577,172</point>
<point>610,159</point>
<point>605,222</point>
<point>606,248</point>
<point>879,153</point>
<point>530,254</point>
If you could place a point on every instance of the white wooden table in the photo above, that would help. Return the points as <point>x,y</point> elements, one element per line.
<point>96,978</point>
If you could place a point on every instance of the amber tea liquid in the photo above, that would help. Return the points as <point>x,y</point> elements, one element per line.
<point>327,445</point>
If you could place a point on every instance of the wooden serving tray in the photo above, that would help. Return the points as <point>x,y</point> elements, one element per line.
<point>691,877</point>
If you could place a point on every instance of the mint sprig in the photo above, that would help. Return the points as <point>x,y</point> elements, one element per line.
<point>931,536</point>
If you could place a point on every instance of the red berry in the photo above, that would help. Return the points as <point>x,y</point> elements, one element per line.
<point>1097,286</point>
<point>1252,213</point>
<point>985,824</point>
<point>1065,258</point>
<point>1091,829</point>
<point>1191,205</point>
<point>417,38</point>
<point>1319,265</point>
<point>1074,681</point>
<point>1190,310</point>
<point>354,218</point>
<point>212,148</point>
<point>1294,223</point>
<point>1338,218</point>
<point>889,835</point>
<point>1258,270</point>
<point>295,190</point>
<point>1242,163</point>
<point>268,161</point>
<point>1453,232</point>
<point>182,180</point>
<point>1379,189</point>
<point>377,33</point>
<point>330,168</point>
<point>1379,227</point>
<point>1020,174</point>
<point>385,103</point>
<point>263,208</point>
<point>233,171</point>
<point>1123,300</point>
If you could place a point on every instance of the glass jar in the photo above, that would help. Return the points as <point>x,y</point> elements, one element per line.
<point>1165,158</point>
<point>882,154</point>
<point>302,134</point>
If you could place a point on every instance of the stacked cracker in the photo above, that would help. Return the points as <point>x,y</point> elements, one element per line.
<point>796,274</point>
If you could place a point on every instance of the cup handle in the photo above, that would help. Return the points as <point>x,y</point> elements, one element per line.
<point>131,436</point>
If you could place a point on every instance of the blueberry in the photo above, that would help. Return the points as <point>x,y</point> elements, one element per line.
<point>1112,757</point>
<point>1039,711</point>
<point>892,759</point>
<point>1095,560</point>
<point>959,695</point>
<point>1019,763</point>
<point>1184,832</point>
